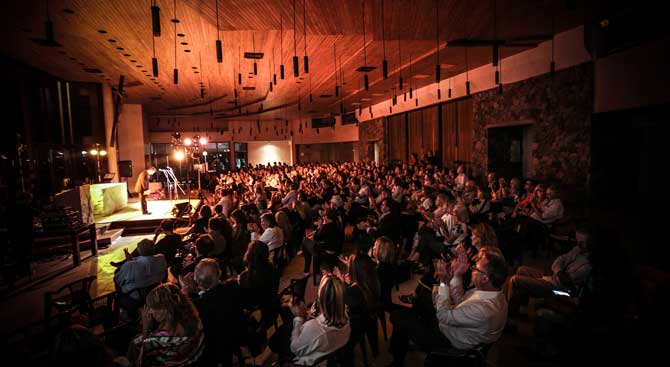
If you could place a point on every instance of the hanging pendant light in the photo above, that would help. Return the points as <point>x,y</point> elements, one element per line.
<point>202,85</point>
<point>296,66</point>
<point>499,73</point>
<point>155,19</point>
<point>437,43</point>
<point>337,87</point>
<point>449,90</point>
<point>274,74</point>
<point>467,77</point>
<point>239,65</point>
<point>310,89</point>
<point>304,32</point>
<point>219,46</point>
<point>281,48</point>
<point>175,73</point>
<point>156,25</point>
<point>365,55</point>
<point>400,84</point>
<point>385,65</point>
<point>410,76</point>
<point>253,42</point>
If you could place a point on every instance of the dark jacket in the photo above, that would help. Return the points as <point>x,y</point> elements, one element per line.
<point>222,319</point>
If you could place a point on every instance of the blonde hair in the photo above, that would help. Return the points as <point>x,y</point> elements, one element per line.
<point>177,308</point>
<point>486,235</point>
<point>331,301</point>
<point>384,250</point>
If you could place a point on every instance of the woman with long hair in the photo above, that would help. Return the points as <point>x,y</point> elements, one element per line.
<point>362,298</point>
<point>171,330</point>
<point>258,281</point>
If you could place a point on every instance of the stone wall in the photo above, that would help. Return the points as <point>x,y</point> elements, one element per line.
<point>371,131</point>
<point>559,109</point>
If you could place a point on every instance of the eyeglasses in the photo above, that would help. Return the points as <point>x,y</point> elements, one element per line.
<point>474,268</point>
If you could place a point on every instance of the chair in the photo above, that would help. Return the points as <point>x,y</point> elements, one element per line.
<point>453,357</point>
<point>70,298</point>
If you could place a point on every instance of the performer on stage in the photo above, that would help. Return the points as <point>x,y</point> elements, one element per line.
<point>142,187</point>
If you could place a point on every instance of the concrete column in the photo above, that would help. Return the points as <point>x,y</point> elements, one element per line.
<point>108,115</point>
<point>131,140</point>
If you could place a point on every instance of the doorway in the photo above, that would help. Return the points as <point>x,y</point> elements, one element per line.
<point>509,151</point>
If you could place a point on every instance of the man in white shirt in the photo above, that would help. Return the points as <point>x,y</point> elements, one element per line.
<point>464,319</point>
<point>551,209</point>
<point>272,234</point>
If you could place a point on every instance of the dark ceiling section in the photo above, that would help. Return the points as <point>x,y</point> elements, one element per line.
<point>97,41</point>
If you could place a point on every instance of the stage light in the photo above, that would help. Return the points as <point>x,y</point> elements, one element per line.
<point>179,155</point>
<point>103,153</point>
<point>83,152</point>
<point>93,152</point>
<point>204,153</point>
<point>188,141</point>
<point>203,141</point>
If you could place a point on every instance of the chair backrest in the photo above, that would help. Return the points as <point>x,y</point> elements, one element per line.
<point>74,296</point>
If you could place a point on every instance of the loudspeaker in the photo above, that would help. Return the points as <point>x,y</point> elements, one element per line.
<point>125,168</point>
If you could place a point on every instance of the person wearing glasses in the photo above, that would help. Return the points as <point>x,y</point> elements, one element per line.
<point>462,319</point>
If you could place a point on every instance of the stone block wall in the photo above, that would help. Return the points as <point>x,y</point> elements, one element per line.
<point>559,109</point>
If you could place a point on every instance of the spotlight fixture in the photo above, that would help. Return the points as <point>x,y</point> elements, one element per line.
<point>296,66</point>
<point>155,19</point>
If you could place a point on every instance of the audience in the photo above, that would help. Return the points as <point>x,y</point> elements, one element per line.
<point>137,273</point>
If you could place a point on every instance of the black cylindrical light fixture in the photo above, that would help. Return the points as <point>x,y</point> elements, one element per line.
<point>467,87</point>
<point>439,93</point>
<point>202,92</point>
<point>404,97</point>
<point>416,102</point>
<point>219,51</point>
<point>395,99</point>
<point>156,21</point>
<point>500,88</point>
<point>239,78</point>
<point>310,98</point>
<point>255,68</point>
<point>496,55</point>
<point>400,84</point>
<point>270,86</point>
<point>437,73</point>
<point>337,91</point>
<point>296,66</point>
<point>236,95</point>
<point>154,66</point>
<point>552,68</point>
<point>497,79</point>
<point>49,31</point>
<point>449,92</point>
<point>410,92</point>
<point>305,61</point>
<point>366,82</point>
<point>175,76</point>
<point>281,71</point>
<point>385,69</point>
<point>274,78</point>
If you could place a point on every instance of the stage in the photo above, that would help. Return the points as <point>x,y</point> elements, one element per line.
<point>159,209</point>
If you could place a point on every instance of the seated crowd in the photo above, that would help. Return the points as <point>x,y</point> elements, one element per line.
<point>205,291</point>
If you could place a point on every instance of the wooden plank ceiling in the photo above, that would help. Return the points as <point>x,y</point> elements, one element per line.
<point>115,37</point>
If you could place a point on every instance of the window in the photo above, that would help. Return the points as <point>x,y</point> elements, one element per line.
<point>241,155</point>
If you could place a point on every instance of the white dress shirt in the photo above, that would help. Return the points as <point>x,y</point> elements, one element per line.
<point>273,237</point>
<point>472,318</point>
<point>313,339</point>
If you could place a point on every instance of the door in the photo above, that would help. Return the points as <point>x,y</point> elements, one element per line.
<point>506,151</point>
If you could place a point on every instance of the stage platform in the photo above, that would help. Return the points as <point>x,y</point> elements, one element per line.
<point>131,220</point>
<point>159,209</point>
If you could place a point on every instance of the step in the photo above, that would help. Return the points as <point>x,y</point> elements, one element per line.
<point>108,237</point>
